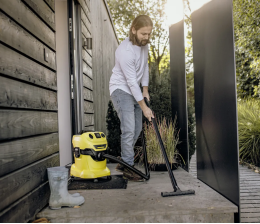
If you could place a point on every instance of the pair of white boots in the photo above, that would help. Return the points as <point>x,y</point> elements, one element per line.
<point>58,180</point>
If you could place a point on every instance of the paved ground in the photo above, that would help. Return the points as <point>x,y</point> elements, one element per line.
<point>142,202</point>
<point>249,192</point>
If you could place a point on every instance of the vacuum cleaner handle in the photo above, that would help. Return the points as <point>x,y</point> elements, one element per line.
<point>167,163</point>
<point>146,102</point>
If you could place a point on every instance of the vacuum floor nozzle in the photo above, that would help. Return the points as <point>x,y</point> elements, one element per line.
<point>177,193</point>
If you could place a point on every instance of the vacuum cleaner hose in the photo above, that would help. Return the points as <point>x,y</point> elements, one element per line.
<point>127,165</point>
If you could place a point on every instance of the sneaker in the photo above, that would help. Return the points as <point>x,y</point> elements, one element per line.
<point>120,167</point>
<point>131,175</point>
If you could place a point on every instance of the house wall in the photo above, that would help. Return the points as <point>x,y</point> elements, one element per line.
<point>105,43</point>
<point>28,106</point>
<point>87,90</point>
<point>29,136</point>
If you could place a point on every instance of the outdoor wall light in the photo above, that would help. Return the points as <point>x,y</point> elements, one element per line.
<point>87,43</point>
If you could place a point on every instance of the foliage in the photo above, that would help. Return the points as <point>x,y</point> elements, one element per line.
<point>247,41</point>
<point>123,13</point>
<point>114,131</point>
<point>190,80</point>
<point>249,130</point>
<point>191,128</point>
<point>160,94</point>
<point>170,139</point>
<point>188,50</point>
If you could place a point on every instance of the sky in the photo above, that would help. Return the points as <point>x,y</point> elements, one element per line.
<point>174,9</point>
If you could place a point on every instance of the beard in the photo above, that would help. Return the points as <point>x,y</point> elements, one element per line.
<point>141,42</point>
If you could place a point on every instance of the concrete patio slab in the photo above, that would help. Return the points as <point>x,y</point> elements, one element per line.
<point>142,202</point>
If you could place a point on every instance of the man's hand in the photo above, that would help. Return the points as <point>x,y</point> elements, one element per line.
<point>145,93</point>
<point>148,113</point>
<point>146,110</point>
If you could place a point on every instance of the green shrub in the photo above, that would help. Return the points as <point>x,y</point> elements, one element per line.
<point>249,130</point>
<point>114,131</point>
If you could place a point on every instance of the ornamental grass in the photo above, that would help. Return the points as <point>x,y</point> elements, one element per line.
<point>170,138</point>
<point>249,130</point>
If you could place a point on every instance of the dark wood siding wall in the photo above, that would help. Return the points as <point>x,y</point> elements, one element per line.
<point>28,107</point>
<point>87,67</point>
<point>105,42</point>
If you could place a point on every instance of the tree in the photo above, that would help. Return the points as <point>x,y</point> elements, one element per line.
<point>247,41</point>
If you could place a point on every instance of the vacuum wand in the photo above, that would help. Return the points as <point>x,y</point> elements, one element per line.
<point>177,190</point>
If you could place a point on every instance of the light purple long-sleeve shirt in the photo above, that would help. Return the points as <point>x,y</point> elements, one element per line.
<point>131,69</point>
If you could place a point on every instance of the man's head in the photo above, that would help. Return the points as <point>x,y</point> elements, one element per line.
<point>140,30</point>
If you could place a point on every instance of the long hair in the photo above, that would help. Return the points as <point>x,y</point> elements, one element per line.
<point>139,22</point>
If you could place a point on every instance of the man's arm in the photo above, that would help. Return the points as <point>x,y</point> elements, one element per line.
<point>127,64</point>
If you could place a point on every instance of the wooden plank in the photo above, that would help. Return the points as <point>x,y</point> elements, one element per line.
<point>19,183</point>
<point>251,210</point>
<point>89,128</point>
<point>25,209</point>
<point>16,65</point>
<point>251,191</point>
<point>87,94</point>
<point>87,70</point>
<point>24,16</point>
<point>255,201</point>
<point>86,57</point>
<point>85,20</point>
<point>19,153</point>
<point>253,197</point>
<point>21,95</point>
<point>15,36</point>
<point>51,3</point>
<point>250,215</point>
<point>247,205</point>
<point>87,82</point>
<point>249,220</point>
<point>251,185</point>
<point>88,3</point>
<point>245,194</point>
<point>17,123</point>
<point>84,30</point>
<point>88,119</point>
<point>243,179</point>
<point>88,107</point>
<point>251,181</point>
<point>43,10</point>
<point>85,8</point>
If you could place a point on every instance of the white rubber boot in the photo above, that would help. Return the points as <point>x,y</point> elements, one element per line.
<point>75,194</point>
<point>58,180</point>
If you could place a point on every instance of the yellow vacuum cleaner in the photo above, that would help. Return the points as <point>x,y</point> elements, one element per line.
<point>88,150</point>
<point>90,157</point>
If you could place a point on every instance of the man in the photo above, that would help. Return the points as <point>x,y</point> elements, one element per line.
<point>131,69</point>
